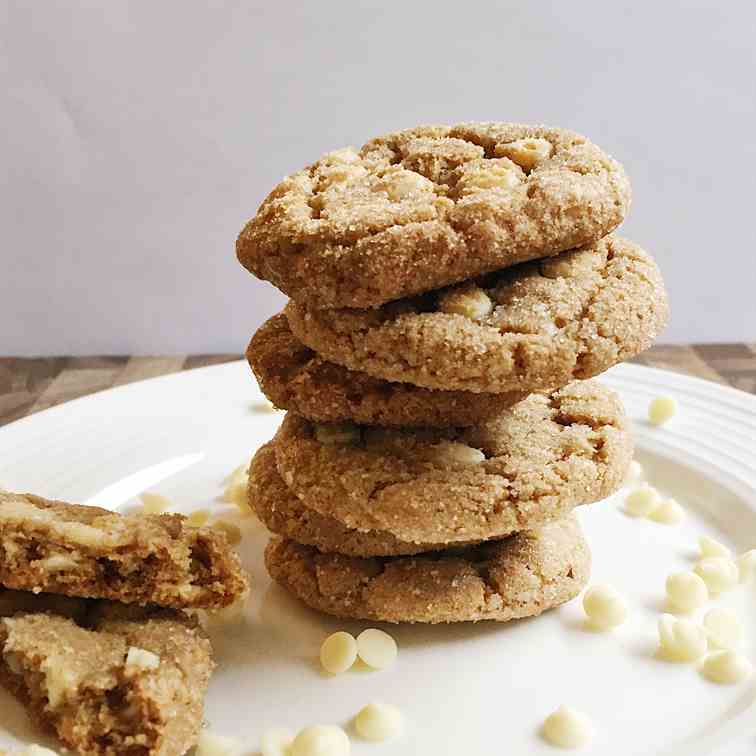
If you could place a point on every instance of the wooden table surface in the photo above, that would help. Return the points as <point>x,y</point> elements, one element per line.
<point>28,385</point>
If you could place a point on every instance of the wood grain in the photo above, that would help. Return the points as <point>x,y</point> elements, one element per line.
<point>30,385</point>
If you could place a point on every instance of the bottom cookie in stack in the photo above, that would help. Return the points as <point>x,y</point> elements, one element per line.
<point>419,525</point>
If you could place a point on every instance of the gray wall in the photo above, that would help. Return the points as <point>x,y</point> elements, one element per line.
<point>139,137</point>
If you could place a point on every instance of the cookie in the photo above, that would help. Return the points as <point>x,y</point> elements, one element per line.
<point>430,206</point>
<point>91,552</point>
<point>520,576</point>
<point>286,515</point>
<point>295,378</point>
<point>527,466</point>
<point>112,682</point>
<point>530,327</point>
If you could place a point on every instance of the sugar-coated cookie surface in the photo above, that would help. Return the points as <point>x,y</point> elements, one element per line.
<point>520,576</point>
<point>527,466</point>
<point>283,513</point>
<point>546,323</point>
<point>91,552</point>
<point>295,378</point>
<point>425,207</point>
<point>107,679</point>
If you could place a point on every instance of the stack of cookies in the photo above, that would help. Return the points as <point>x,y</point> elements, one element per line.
<point>453,291</point>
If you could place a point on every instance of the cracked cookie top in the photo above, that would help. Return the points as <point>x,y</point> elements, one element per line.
<point>528,465</point>
<point>429,206</point>
<point>534,326</point>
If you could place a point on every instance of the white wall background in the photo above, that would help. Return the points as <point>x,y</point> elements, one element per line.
<point>139,136</point>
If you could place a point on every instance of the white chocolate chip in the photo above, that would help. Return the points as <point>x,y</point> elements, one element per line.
<point>378,721</point>
<point>711,548</point>
<point>747,565</point>
<point>669,512</point>
<point>154,503</point>
<point>59,681</point>
<point>681,640</point>
<point>661,409</point>
<point>337,434</point>
<point>57,562</point>
<point>724,628</point>
<point>376,648</point>
<point>321,740</point>
<point>634,472</point>
<point>719,573</point>
<point>210,744</point>
<point>233,532</point>
<point>454,452</point>
<point>36,750</point>
<point>338,652</point>
<point>528,152</point>
<point>198,518</point>
<point>726,667</point>
<point>604,607</point>
<point>469,301</point>
<point>568,728</point>
<point>139,658</point>
<point>485,175</point>
<point>642,501</point>
<point>399,184</point>
<point>275,742</point>
<point>686,591</point>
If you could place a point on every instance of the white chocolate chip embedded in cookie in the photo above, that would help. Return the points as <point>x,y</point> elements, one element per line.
<point>454,452</point>
<point>400,184</point>
<point>484,175</point>
<point>141,659</point>
<point>527,153</point>
<point>468,300</point>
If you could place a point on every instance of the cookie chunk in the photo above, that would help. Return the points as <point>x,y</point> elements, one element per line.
<point>93,553</point>
<point>546,323</point>
<point>295,378</point>
<point>527,466</point>
<point>110,681</point>
<point>285,514</point>
<point>430,206</point>
<point>521,576</point>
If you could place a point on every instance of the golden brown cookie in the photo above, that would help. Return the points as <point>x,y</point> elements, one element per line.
<point>91,552</point>
<point>531,327</point>
<point>527,466</point>
<point>294,377</point>
<point>286,515</point>
<point>108,679</point>
<point>520,576</point>
<point>429,206</point>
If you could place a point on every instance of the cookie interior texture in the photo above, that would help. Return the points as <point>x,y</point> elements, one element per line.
<point>520,576</point>
<point>66,659</point>
<point>429,206</point>
<point>91,552</point>
<point>527,466</point>
<point>549,322</point>
<point>295,378</point>
<point>285,514</point>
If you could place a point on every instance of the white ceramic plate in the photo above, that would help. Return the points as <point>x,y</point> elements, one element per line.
<point>467,690</point>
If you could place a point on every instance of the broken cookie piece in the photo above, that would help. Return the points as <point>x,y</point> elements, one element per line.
<point>114,681</point>
<point>90,552</point>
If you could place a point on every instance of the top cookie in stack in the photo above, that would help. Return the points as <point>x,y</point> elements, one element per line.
<point>438,277</point>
